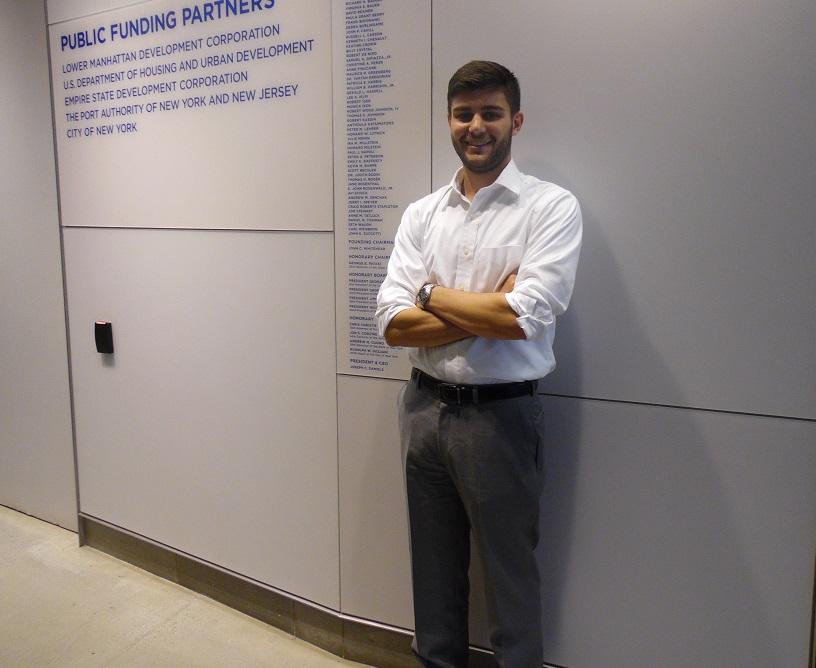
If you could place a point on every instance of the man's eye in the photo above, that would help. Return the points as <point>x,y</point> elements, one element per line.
<point>464,118</point>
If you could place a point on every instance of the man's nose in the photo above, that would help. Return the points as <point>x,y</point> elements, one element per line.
<point>476,124</point>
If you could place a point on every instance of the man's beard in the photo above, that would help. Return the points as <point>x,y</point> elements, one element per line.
<point>501,150</point>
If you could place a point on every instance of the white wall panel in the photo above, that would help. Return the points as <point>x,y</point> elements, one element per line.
<point>213,426</point>
<point>375,570</point>
<point>676,538</point>
<point>36,447</point>
<point>375,566</point>
<point>382,99</point>
<point>686,131</point>
<point>169,117</point>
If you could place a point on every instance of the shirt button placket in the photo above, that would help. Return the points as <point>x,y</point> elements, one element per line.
<point>464,271</point>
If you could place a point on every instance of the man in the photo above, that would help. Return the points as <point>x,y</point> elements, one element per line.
<point>478,273</point>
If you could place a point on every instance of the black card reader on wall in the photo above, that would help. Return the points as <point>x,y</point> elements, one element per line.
<point>104,337</point>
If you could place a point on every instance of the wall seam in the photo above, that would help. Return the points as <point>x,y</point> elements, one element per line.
<point>334,279</point>
<point>63,274</point>
<point>629,402</point>
<point>99,13</point>
<point>194,229</point>
<point>681,407</point>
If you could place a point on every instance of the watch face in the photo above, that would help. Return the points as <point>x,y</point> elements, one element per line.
<point>425,294</point>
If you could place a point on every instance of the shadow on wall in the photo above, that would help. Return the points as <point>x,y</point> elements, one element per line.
<point>641,559</point>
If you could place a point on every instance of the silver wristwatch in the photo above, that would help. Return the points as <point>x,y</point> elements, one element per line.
<point>424,294</point>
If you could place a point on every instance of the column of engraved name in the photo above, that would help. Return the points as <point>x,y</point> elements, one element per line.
<point>368,77</point>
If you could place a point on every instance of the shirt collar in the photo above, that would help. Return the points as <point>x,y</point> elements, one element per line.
<point>510,179</point>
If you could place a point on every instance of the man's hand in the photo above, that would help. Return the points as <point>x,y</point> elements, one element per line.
<point>485,314</point>
<point>509,283</point>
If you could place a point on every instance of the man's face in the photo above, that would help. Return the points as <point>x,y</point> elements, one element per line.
<point>482,127</point>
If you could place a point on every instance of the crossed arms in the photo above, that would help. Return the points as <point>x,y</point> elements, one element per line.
<point>537,289</point>
<point>452,315</point>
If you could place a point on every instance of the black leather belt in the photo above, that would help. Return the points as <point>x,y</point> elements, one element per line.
<point>451,393</point>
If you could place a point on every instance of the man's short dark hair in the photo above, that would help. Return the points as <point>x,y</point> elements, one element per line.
<point>485,74</point>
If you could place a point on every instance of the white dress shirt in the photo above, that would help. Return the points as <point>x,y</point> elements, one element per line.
<point>517,224</point>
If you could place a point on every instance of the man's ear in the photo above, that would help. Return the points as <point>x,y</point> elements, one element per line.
<point>518,121</point>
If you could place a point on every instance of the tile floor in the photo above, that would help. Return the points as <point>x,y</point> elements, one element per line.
<point>65,606</point>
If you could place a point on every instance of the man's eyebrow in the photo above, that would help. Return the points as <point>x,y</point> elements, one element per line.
<point>487,107</point>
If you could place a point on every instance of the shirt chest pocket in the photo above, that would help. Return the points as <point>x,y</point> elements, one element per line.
<point>494,264</point>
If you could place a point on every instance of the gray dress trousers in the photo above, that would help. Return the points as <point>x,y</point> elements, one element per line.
<point>473,467</point>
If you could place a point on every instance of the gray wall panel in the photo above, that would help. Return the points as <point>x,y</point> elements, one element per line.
<point>674,538</point>
<point>686,132</point>
<point>213,427</point>
<point>36,447</point>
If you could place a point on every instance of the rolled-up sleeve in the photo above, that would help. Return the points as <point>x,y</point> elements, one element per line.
<point>405,275</point>
<point>546,275</point>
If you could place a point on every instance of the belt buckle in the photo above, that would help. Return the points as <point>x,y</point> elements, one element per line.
<point>449,391</point>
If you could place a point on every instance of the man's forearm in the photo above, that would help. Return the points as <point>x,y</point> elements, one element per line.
<point>485,314</point>
<point>416,328</point>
